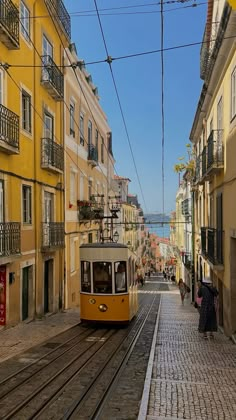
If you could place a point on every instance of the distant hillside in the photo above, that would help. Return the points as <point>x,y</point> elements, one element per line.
<point>156,217</point>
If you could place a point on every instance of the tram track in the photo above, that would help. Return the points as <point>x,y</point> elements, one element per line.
<point>69,382</point>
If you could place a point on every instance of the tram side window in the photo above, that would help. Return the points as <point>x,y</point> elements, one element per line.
<point>85,277</point>
<point>120,277</point>
<point>102,277</point>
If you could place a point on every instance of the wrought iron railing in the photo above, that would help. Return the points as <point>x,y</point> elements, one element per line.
<point>92,153</point>
<point>9,21</point>
<point>215,153</point>
<point>52,154</point>
<point>10,239</point>
<point>60,14</point>
<point>9,127</point>
<point>204,161</point>
<point>52,75</point>
<point>186,211</point>
<point>53,235</point>
<point>198,169</point>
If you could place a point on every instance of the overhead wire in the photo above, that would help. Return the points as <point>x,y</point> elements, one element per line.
<point>120,106</point>
<point>162,113</point>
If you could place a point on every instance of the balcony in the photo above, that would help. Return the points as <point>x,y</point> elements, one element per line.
<point>186,210</point>
<point>60,14</point>
<point>92,155</point>
<point>10,239</point>
<point>212,245</point>
<point>53,235</point>
<point>9,25</point>
<point>52,78</point>
<point>9,131</point>
<point>198,170</point>
<point>52,155</point>
<point>215,155</point>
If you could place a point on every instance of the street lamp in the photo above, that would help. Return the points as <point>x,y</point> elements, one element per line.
<point>116,236</point>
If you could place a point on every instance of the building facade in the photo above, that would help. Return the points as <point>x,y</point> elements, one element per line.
<point>214,138</point>
<point>32,157</point>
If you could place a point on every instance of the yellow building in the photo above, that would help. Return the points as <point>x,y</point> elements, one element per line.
<point>214,137</point>
<point>32,157</point>
<point>89,167</point>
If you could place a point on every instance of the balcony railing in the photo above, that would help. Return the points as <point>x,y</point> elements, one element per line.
<point>52,78</point>
<point>9,24</point>
<point>212,245</point>
<point>53,235</point>
<point>10,243</point>
<point>198,169</point>
<point>52,156</point>
<point>186,207</point>
<point>93,154</point>
<point>60,14</point>
<point>215,153</point>
<point>204,161</point>
<point>9,130</point>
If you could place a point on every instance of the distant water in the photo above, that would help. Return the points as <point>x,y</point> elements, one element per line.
<point>156,227</point>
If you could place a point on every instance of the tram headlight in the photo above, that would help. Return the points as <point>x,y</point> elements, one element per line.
<point>102,307</point>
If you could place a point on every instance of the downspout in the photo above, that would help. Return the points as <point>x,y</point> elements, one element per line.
<point>193,248</point>
<point>35,178</point>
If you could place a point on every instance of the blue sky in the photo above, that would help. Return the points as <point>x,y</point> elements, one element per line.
<point>138,81</point>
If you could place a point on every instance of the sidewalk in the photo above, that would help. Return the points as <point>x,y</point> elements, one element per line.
<point>191,378</point>
<point>21,337</point>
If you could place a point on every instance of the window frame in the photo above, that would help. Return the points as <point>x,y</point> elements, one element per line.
<point>81,128</point>
<point>233,94</point>
<point>27,204</point>
<point>25,21</point>
<point>72,118</point>
<point>26,103</point>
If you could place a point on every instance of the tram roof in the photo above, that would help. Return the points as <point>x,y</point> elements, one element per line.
<point>104,245</point>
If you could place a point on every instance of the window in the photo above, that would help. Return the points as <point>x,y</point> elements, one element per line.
<point>27,204</point>
<point>72,119</point>
<point>120,277</point>
<point>25,21</point>
<point>26,111</point>
<point>233,94</point>
<point>102,150</point>
<point>90,134</point>
<point>90,189</point>
<point>85,277</point>
<point>96,139</point>
<point>90,238</point>
<point>47,47</point>
<point>102,277</point>
<point>48,126</point>
<point>81,128</point>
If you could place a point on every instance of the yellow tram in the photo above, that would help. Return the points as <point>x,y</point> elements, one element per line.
<point>108,291</point>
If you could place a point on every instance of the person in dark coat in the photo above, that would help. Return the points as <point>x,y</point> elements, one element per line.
<point>207,320</point>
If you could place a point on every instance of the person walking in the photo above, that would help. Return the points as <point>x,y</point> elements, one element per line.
<point>183,290</point>
<point>207,320</point>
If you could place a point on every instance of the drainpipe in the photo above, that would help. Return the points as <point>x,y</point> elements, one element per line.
<point>193,249</point>
<point>35,179</point>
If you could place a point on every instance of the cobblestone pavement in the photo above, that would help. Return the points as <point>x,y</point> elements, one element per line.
<point>21,337</point>
<point>191,378</point>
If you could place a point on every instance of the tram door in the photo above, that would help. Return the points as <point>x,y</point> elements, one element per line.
<point>25,293</point>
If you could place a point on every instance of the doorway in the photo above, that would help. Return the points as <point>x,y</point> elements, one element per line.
<point>48,282</point>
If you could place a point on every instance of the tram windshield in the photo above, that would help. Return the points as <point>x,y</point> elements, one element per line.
<point>85,277</point>
<point>102,277</point>
<point>120,277</point>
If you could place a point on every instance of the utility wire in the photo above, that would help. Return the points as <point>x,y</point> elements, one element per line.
<point>162,113</point>
<point>119,102</point>
<point>110,58</point>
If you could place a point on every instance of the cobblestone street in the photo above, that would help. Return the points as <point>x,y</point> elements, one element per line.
<point>192,378</point>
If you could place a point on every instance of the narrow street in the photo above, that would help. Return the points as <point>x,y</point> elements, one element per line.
<point>187,377</point>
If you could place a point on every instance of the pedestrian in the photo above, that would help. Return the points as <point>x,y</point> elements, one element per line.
<point>173,278</point>
<point>183,290</point>
<point>207,320</point>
